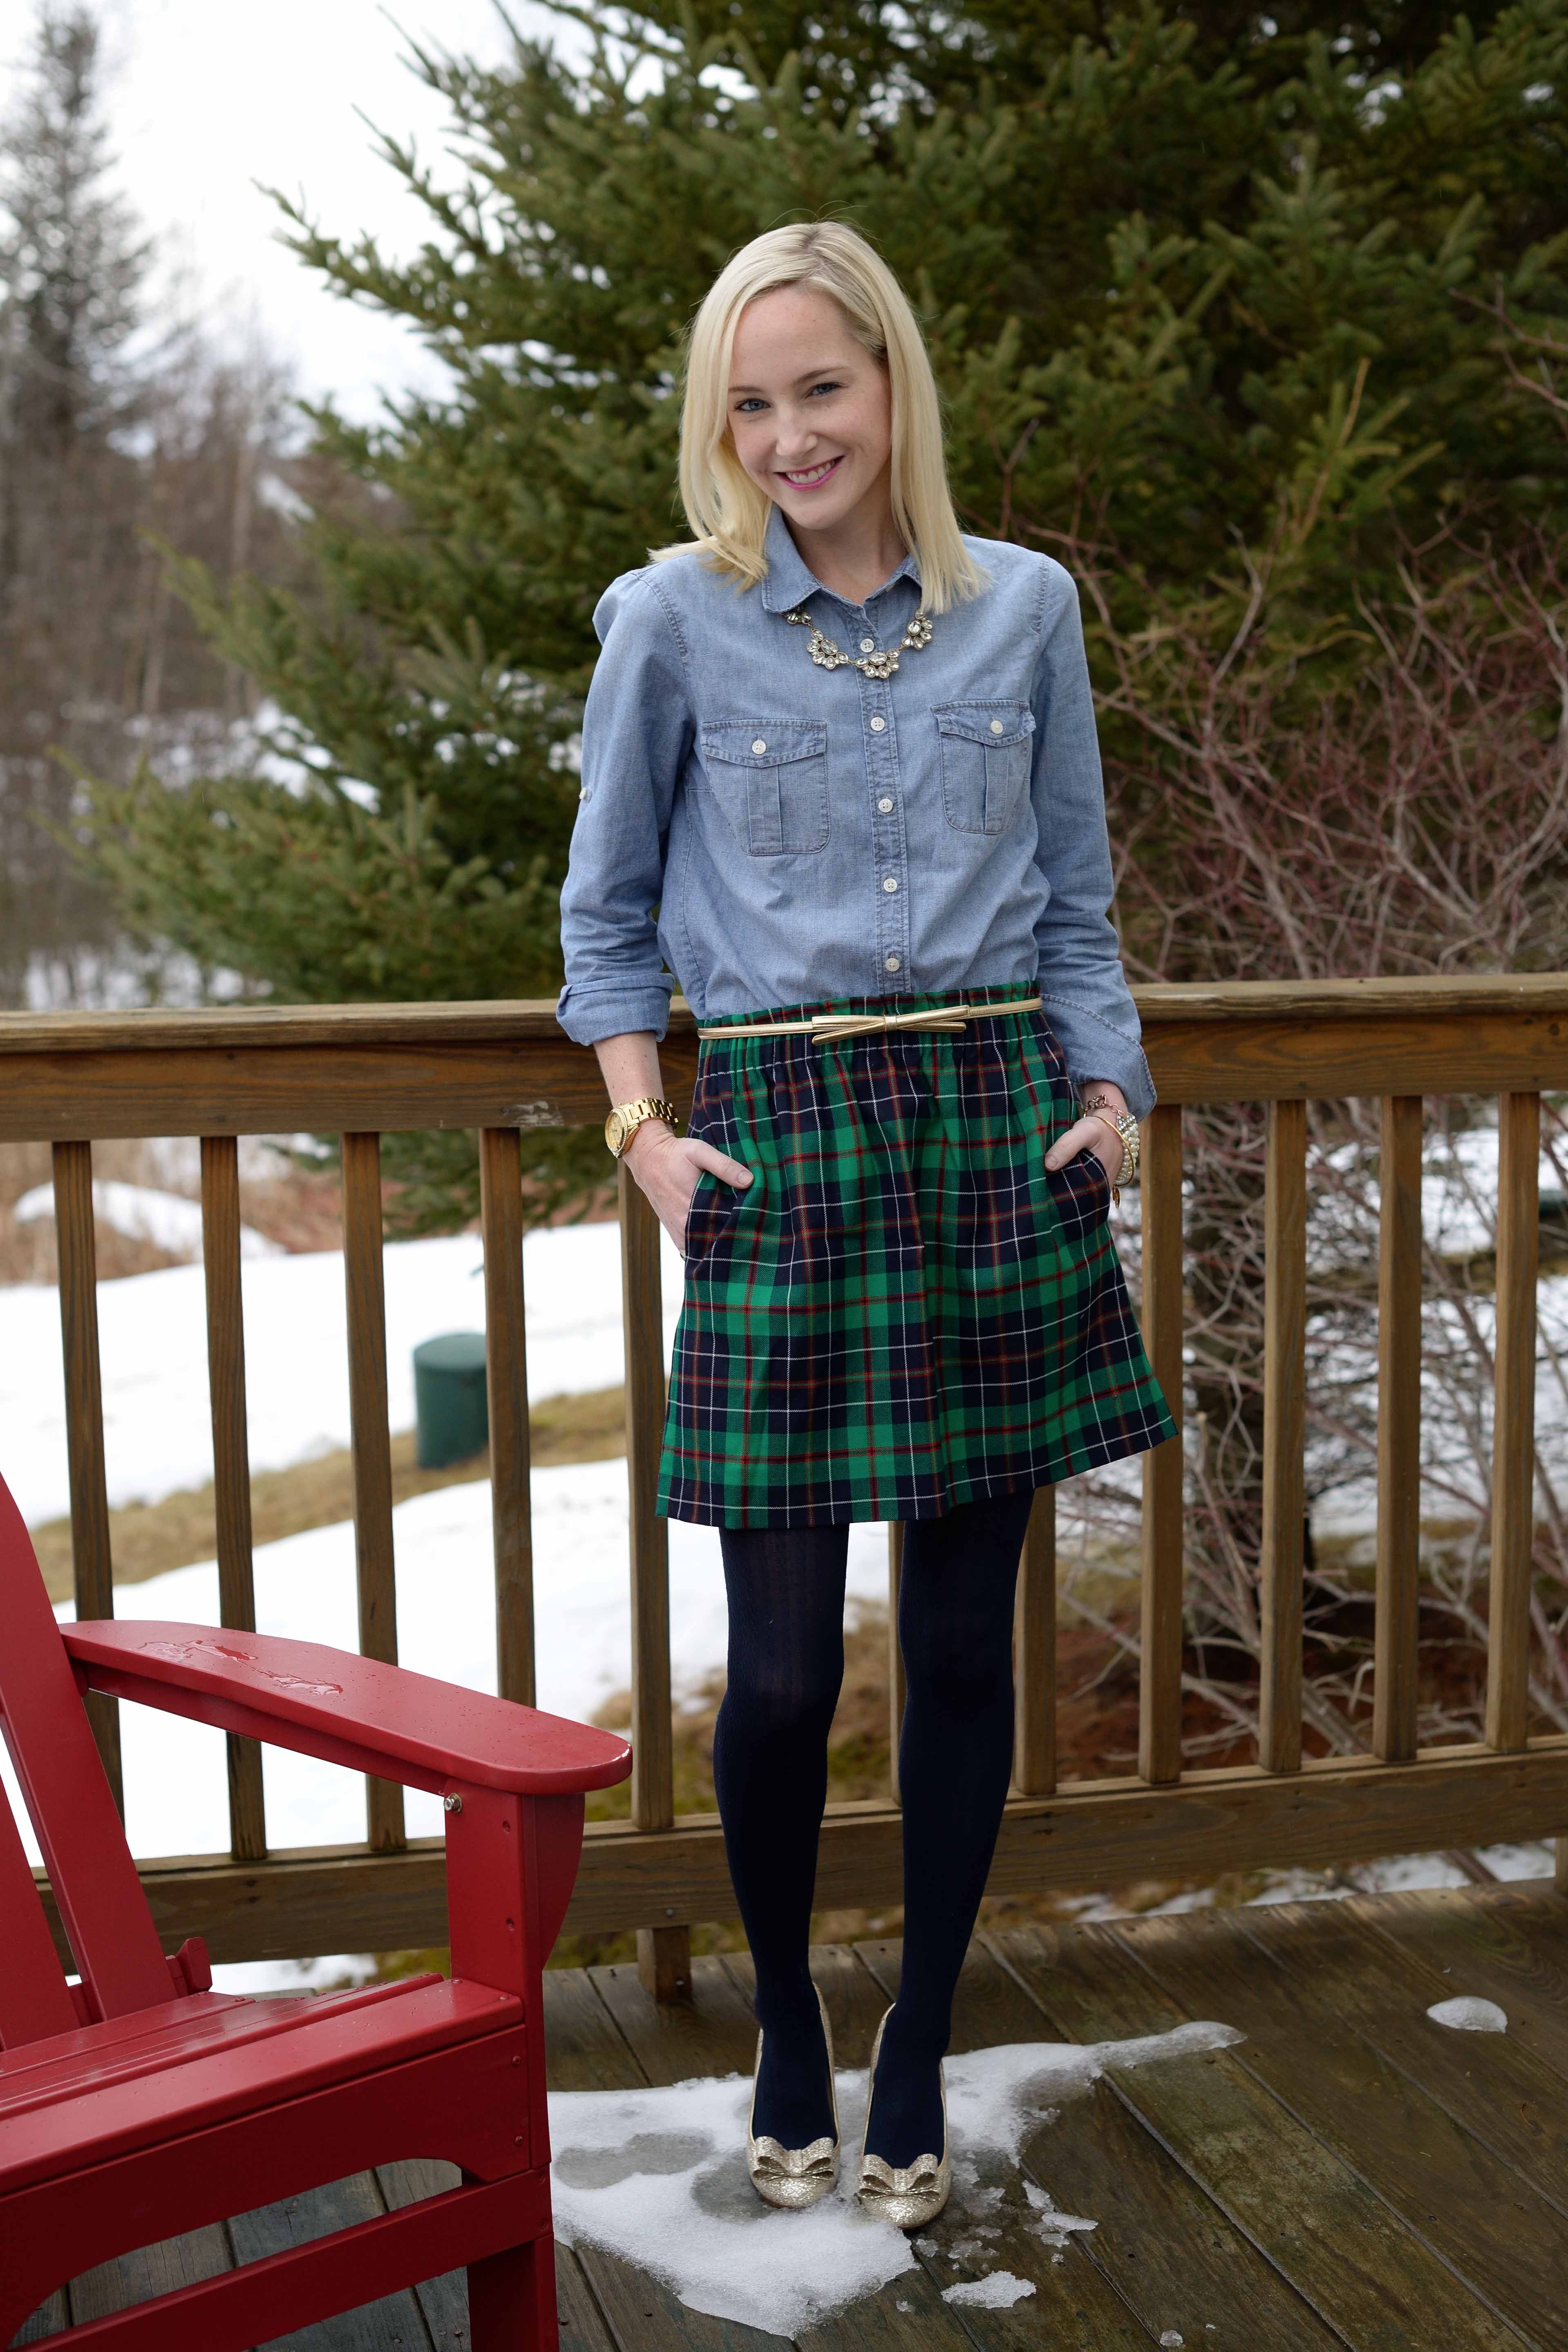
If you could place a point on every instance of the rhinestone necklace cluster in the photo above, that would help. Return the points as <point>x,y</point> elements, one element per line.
<point>828,655</point>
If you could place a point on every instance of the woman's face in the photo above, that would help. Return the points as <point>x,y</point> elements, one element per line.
<point>810,409</point>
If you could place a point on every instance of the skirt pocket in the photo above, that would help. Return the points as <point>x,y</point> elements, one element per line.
<point>1080,1193</point>
<point>712,1208</point>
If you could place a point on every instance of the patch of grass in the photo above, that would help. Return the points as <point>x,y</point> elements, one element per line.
<point>146,1538</point>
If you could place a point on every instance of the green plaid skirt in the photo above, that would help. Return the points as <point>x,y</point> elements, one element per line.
<point>905,1308</point>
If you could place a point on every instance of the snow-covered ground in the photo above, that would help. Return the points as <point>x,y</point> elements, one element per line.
<point>171,1220</point>
<point>152,1344</point>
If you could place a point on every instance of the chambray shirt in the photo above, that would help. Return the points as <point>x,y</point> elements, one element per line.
<point>777,833</point>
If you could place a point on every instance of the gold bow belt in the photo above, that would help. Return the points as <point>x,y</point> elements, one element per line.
<point>950,1017</point>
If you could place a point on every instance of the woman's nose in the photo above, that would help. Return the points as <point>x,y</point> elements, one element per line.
<point>796,436</point>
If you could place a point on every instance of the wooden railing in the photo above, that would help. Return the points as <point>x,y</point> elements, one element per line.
<point>361,1072</point>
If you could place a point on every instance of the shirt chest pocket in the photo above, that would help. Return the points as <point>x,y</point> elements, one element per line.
<point>985,749</point>
<point>770,777</point>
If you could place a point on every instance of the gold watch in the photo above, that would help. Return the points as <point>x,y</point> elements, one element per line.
<point>627,1117</point>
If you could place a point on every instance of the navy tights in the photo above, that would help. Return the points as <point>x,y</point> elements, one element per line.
<point>785,1592</point>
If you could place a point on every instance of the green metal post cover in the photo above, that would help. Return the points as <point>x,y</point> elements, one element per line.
<point>451,1410</point>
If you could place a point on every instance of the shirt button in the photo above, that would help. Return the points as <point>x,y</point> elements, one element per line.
<point>587,793</point>
<point>890,963</point>
<point>759,745</point>
<point>889,884</point>
<point>878,725</point>
<point>995,729</point>
<point>884,805</point>
<point>867,645</point>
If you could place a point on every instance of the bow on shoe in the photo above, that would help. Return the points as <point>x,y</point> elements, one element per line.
<point>787,2176</point>
<point>879,2180</point>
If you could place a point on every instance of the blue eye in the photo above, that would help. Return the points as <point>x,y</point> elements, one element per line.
<point>827,385</point>
<point>743,407</point>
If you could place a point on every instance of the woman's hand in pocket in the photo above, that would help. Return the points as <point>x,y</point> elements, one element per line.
<point>666,1167</point>
<point>1096,1135</point>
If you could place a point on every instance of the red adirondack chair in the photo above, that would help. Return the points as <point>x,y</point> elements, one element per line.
<point>139,2104</point>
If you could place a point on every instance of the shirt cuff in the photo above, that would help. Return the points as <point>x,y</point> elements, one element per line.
<point>1096,1048</point>
<point>588,1015</point>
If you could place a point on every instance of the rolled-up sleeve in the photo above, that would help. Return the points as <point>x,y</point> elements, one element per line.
<point>1082,985</point>
<point>637,734</point>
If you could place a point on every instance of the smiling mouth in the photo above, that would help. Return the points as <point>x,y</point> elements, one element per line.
<point>809,476</point>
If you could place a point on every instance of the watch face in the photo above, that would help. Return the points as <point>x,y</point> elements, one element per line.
<point>615,1132</point>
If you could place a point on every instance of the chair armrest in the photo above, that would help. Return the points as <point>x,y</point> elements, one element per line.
<point>345,1709</point>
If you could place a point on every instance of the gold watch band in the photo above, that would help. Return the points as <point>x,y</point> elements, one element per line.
<point>627,1117</point>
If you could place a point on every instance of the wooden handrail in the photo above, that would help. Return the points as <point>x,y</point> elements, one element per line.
<point>265,1069</point>
<point>359,1071</point>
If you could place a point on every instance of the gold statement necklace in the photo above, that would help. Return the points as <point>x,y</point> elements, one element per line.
<point>828,655</point>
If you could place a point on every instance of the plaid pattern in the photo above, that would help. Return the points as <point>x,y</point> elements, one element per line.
<point>905,1309</point>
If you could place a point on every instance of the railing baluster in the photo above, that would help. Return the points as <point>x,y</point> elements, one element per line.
<point>374,1564</point>
<point>506,1377</point>
<point>1397,1628</point>
<point>1035,1654</point>
<point>231,1463</point>
<point>1283,1564</point>
<point>92,1569</point>
<point>1513,1434</point>
<point>896,1683</point>
<point>664,1953</point>
<point>1160,1679</point>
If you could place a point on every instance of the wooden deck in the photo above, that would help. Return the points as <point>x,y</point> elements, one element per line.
<point>1349,2174</point>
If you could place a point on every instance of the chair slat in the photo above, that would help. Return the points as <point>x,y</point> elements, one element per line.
<point>68,1794</point>
<point>1393,1728</point>
<point>897,1681</point>
<point>231,1463</point>
<point>92,1569</point>
<point>1160,1677</point>
<point>506,1377</point>
<point>664,1952</point>
<point>1513,1433</point>
<point>34,2001</point>
<point>1035,1654</point>
<point>374,1568</point>
<point>1283,1563</point>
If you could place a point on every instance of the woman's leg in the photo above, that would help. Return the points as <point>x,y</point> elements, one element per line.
<point>785,1588</point>
<point>955,1759</point>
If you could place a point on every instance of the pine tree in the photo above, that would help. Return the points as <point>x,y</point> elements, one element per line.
<point>72,259</point>
<point>111,439</point>
<point>1211,307</point>
<point>71,266</point>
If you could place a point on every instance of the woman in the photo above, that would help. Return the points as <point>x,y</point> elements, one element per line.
<point>875,857</point>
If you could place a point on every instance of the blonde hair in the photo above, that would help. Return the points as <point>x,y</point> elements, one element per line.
<point>728,513</point>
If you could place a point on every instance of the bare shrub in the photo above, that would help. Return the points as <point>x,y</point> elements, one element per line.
<point>1413,821</point>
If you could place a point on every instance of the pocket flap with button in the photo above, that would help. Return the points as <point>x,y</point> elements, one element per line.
<point>770,776</point>
<point>762,742</point>
<point>990,723</point>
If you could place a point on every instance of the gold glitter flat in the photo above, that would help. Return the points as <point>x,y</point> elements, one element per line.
<point>908,2195</point>
<point>794,2178</point>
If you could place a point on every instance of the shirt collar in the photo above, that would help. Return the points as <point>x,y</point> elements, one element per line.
<point>790,579</point>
